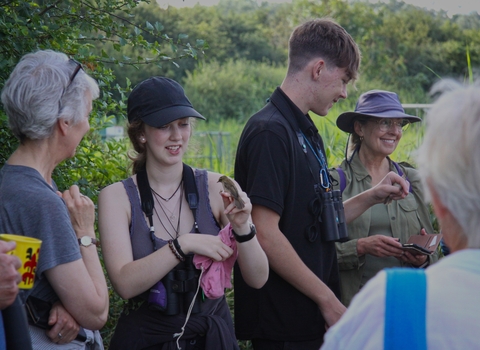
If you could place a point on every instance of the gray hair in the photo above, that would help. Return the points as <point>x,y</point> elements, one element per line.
<point>38,93</point>
<point>449,157</point>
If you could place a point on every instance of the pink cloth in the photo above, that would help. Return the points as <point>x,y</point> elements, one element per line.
<point>217,274</point>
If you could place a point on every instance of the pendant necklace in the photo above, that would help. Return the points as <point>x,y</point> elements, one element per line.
<point>167,199</point>
<point>175,229</point>
<point>172,216</point>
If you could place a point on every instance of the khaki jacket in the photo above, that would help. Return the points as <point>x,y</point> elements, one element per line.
<point>407,217</point>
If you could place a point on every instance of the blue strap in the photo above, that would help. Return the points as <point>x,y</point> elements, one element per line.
<point>405,309</point>
<point>400,172</point>
<point>3,346</point>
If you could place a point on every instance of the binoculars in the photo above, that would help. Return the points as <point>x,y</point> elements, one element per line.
<point>176,291</point>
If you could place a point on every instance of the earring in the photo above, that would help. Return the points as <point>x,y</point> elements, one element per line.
<point>142,139</point>
<point>361,138</point>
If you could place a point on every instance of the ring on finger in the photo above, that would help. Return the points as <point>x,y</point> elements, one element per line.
<point>60,335</point>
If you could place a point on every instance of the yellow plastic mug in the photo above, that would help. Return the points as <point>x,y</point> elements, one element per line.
<point>27,250</point>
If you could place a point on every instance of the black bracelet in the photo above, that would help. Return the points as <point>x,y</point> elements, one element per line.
<point>179,249</point>
<point>245,238</point>
<point>174,251</point>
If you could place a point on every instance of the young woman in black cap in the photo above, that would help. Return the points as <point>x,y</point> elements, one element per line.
<point>375,238</point>
<point>162,222</point>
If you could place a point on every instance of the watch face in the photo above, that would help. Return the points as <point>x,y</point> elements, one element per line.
<point>86,241</point>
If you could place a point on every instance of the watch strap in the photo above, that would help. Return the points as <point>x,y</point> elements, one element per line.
<point>245,238</point>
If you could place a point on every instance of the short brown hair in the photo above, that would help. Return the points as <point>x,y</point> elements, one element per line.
<point>323,37</point>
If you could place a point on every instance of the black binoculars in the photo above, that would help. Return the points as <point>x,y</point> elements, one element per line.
<point>334,227</point>
<point>175,292</point>
<point>327,208</point>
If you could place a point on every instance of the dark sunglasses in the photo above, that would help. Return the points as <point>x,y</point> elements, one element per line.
<point>78,67</point>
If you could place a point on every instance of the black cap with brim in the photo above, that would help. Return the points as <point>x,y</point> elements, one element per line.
<point>170,114</point>
<point>375,104</point>
<point>158,101</point>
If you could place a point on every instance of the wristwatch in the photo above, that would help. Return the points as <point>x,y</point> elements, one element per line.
<point>247,237</point>
<point>87,241</point>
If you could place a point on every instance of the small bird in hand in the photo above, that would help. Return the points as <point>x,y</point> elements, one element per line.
<point>229,186</point>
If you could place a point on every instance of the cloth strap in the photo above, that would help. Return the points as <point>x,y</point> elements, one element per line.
<point>405,309</point>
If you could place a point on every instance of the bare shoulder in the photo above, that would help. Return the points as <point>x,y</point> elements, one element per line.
<point>113,195</point>
<point>112,189</point>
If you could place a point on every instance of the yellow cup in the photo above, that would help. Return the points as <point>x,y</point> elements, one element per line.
<point>27,250</point>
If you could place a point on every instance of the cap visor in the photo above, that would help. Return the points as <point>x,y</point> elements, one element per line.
<point>170,114</point>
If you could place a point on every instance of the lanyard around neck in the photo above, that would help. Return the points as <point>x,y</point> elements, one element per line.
<point>324,176</point>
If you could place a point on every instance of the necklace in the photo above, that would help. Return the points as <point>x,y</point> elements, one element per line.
<point>167,199</point>
<point>175,229</point>
<point>171,215</point>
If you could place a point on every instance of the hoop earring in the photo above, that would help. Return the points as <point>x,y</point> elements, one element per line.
<point>361,138</point>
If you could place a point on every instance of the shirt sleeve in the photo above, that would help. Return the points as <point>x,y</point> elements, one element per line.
<point>47,219</point>
<point>265,167</point>
<point>362,325</point>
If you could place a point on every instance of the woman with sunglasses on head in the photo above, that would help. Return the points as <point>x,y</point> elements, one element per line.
<point>375,237</point>
<point>48,98</point>
<point>153,236</point>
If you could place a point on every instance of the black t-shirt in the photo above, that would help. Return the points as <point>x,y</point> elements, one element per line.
<point>272,168</point>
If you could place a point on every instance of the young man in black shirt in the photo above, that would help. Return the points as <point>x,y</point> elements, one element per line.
<point>281,165</point>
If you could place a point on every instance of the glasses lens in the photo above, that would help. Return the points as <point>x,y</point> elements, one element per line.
<point>387,124</point>
<point>405,125</point>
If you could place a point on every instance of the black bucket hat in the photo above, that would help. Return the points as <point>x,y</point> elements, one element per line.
<point>376,104</point>
<point>159,101</point>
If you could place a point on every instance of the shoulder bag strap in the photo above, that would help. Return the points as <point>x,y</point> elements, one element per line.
<point>400,172</point>
<point>405,309</point>
<point>191,192</point>
<point>146,196</point>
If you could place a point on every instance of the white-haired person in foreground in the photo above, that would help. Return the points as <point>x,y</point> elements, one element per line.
<point>447,314</point>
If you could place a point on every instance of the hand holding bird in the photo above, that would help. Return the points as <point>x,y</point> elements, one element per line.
<point>229,186</point>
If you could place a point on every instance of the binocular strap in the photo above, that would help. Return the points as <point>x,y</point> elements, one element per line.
<point>179,335</point>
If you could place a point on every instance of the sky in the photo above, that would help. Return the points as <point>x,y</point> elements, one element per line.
<point>452,7</point>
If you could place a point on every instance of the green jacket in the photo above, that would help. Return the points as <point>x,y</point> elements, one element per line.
<point>407,217</point>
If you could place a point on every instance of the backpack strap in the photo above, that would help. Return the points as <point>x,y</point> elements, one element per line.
<point>146,197</point>
<point>400,172</point>
<point>405,309</point>
<point>191,192</point>
<point>341,177</point>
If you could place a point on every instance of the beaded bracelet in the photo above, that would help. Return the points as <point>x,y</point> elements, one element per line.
<point>174,250</point>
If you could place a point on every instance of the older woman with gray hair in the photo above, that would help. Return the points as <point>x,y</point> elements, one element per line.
<point>446,309</point>
<point>48,99</point>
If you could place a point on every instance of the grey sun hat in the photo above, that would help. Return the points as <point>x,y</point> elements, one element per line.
<point>377,104</point>
<point>159,101</point>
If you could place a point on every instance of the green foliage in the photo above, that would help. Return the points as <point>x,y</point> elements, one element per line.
<point>232,90</point>
<point>121,42</point>
<point>82,29</point>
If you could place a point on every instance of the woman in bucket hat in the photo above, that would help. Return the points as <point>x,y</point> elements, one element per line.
<point>375,238</point>
<point>159,222</point>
